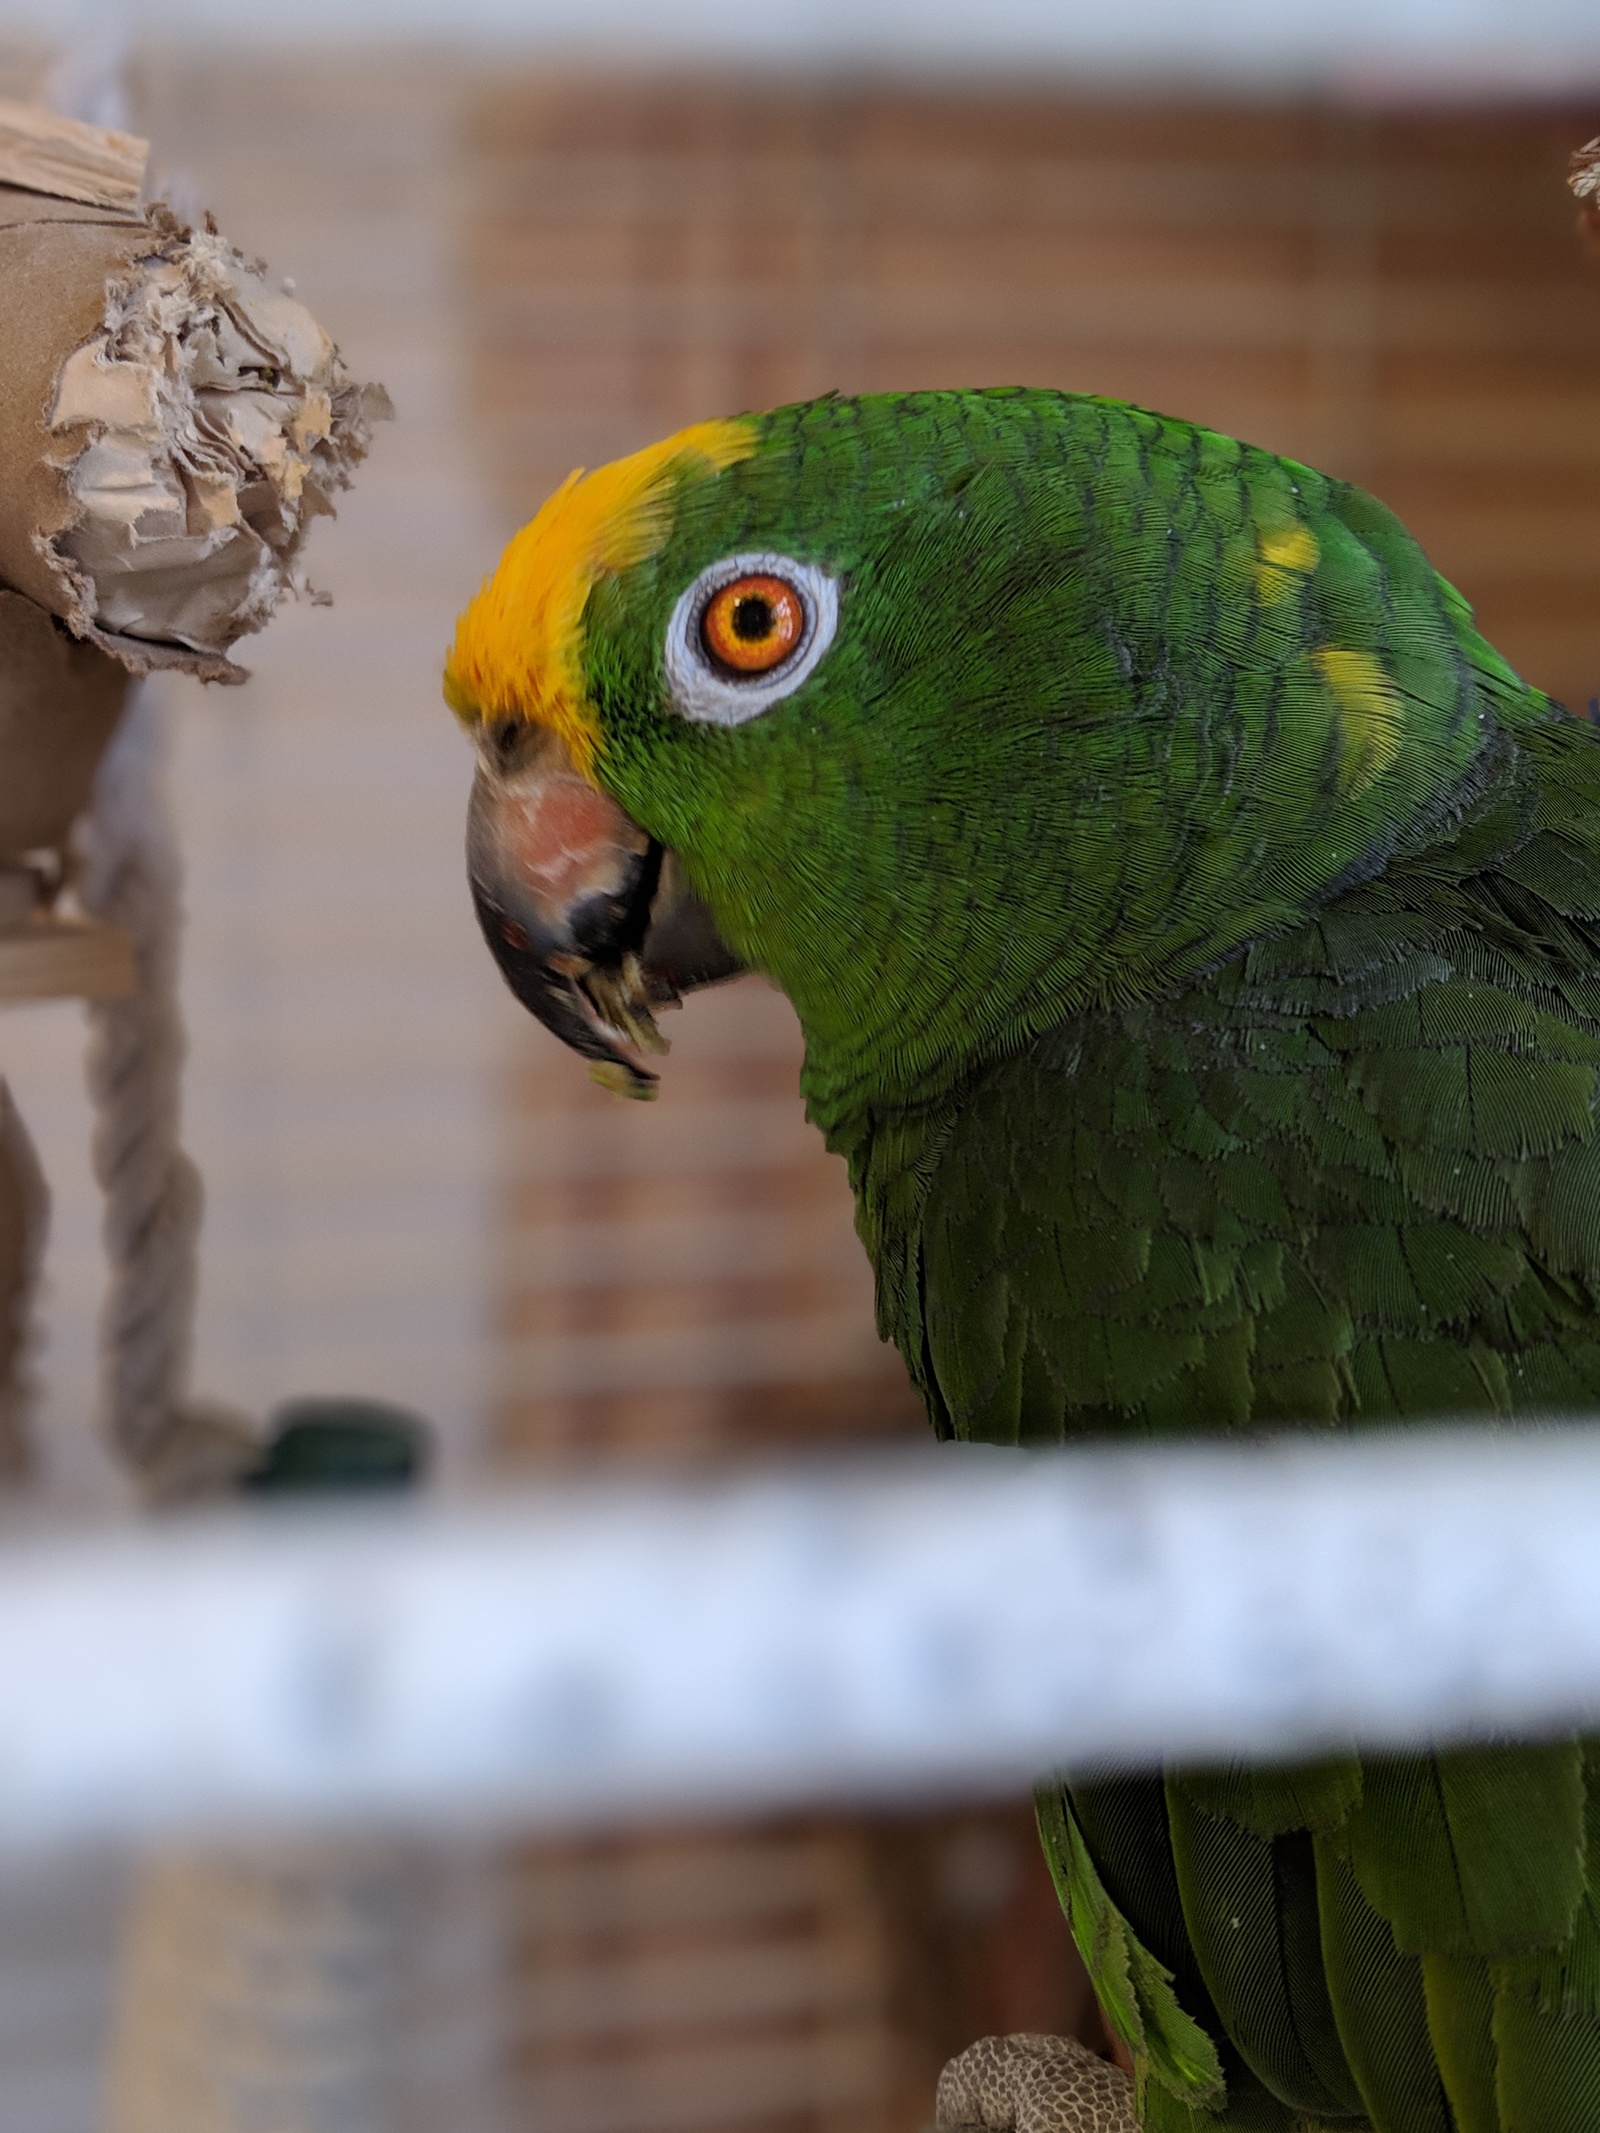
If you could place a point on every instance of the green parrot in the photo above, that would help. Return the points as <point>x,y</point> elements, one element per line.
<point>1195,929</point>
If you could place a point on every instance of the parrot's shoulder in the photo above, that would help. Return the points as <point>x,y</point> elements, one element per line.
<point>1352,1172</point>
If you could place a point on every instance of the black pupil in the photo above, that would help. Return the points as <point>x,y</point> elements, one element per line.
<point>752,618</point>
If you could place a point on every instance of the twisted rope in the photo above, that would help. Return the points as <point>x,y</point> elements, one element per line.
<point>130,875</point>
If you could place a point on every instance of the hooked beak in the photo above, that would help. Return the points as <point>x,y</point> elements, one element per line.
<point>591,921</point>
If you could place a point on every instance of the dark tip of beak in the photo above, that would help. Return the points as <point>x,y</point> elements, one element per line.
<point>544,976</point>
<point>591,922</point>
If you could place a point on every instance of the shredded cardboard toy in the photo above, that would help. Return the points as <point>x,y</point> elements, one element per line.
<point>170,422</point>
<point>213,421</point>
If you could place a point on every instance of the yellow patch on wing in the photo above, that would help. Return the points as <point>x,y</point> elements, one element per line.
<point>1371,716</point>
<point>518,650</point>
<point>1283,558</point>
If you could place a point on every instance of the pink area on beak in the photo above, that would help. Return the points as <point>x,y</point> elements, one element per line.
<point>563,839</point>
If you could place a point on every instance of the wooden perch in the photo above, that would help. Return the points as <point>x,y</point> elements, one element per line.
<point>45,153</point>
<point>54,958</point>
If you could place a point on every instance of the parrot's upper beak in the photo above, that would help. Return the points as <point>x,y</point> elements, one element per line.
<point>591,921</point>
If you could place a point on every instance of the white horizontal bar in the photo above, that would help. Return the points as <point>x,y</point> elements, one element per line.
<point>954,1619</point>
<point>1159,37</point>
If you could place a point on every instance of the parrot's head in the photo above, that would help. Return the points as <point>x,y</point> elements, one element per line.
<point>949,712</point>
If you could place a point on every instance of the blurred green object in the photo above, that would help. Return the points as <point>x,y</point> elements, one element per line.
<point>340,1446</point>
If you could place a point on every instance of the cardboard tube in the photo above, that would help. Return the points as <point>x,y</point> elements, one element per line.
<point>170,424</point>
<point>56,261</point>
<point>59,704</point>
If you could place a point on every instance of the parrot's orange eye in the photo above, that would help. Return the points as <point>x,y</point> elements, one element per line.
<point>752,625</point>
<point>746,633</point>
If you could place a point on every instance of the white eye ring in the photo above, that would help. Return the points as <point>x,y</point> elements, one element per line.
<point>707,692</point>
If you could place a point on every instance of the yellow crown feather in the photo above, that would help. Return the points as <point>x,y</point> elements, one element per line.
<point>518,647</point>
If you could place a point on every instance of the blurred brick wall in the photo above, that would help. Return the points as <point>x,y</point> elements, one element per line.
<point>681,1279</point>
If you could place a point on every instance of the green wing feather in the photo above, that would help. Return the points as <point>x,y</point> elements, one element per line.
<point>1379,2004</point>
<point>1250,1903</point>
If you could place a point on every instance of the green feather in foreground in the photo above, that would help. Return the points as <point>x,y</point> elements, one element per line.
<point>1195,928</point>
